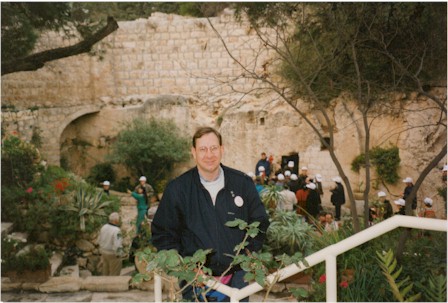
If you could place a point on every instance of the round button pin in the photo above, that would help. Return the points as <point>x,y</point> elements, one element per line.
<point>239,201</point>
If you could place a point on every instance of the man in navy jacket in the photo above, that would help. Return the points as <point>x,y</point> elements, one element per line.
<point>196,205</point>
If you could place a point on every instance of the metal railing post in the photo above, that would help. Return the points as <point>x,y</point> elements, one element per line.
<point>157,288</point>
<point>331,278</point>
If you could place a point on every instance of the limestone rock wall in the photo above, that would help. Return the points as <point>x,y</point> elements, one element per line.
<point>169,66</point>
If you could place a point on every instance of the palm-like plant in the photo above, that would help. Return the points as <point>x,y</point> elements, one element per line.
<point>288,233</point>
<point>88,205</point>
<point>270,196</point>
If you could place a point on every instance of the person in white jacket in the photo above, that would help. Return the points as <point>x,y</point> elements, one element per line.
<point>111,246</point>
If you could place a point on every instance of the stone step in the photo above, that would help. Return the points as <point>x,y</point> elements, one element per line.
<point>71,271</point>
<point>6,228</point>
<point>18,236</point>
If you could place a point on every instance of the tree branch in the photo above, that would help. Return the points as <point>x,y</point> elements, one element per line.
<point>35,61</point>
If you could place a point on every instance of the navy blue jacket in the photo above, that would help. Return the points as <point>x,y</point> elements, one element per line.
<point>267,167</point>
<point>187,220</point>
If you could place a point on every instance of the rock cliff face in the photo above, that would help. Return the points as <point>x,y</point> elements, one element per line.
<point>169,66</point>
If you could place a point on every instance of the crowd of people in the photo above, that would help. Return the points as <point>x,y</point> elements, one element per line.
<point>300,193</point>
<point>303,193</point>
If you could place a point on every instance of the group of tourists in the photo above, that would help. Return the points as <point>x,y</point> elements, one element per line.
<point>301,193</point>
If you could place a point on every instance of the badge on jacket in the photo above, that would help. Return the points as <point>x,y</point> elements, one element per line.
<point>239,201</point>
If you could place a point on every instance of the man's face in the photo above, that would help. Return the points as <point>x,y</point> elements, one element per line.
<point>263,156</point>
<point>106,187</point>
<point>207,153</point>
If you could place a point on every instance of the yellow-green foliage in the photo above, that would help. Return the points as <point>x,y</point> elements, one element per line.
<point>400,289</point>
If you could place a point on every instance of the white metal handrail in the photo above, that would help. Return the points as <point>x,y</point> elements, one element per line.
<point>328,254</point>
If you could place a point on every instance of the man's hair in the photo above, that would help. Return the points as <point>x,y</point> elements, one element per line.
<point>203,131</point>
<point>114,217</point>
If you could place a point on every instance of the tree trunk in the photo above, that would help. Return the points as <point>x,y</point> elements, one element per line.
<point>404,236</point>
<point>367,164</point>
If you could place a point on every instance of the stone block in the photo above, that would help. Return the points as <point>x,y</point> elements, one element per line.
<point>106,283</point>
<point>145,285</point>
<point>71,271</point>
<point>82,262</point>
<point>6,228</point>
<point>61,284</point>
<point>20,237</point>
<point>7,285</point>
<point>82,296</point>
<point>30,286</point>
<point>55,262</point>
<point>129,296</point>
<point>85,245</point>
<point>84,273</point>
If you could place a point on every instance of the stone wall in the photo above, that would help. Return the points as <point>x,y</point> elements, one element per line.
<point>169,66</point>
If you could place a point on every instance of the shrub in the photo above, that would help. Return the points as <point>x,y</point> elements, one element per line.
<point>37,258</point>
<point>288,233</point>
<point>385,160</point>
<point>101,172</point>
<point>18,159</point>
<point>150,148</point>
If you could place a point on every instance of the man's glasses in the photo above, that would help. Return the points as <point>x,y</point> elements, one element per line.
<point>203,150</point>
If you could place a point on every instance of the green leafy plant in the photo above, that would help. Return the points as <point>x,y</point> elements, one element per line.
<point>87,205</point>
<point>18,162</point>
<point>435,290</point>
<point>150,148</point>
<point>385,160</point>
<point>401,289</point>
<point>190,269</point>
<point>101,172</point>
<point>35,259</point>
<point>270,196</point>
<point>36,137</point>
<point>289,233</point>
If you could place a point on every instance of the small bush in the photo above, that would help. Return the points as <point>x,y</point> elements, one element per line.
<point>18,159</point>
<point>37,258</point>
<point>385,160</point>
<point>101,172</point>
<point>150,148</point>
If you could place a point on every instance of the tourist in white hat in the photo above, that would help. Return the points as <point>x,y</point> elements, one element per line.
<point>147,189</point>
<point>280,180</point>
<point>262,174</point>
<point>407,191</point>
<point>428,212</point>
<point>337,197</point>
<point>290,164</point>
<point>400,203</point>
<point>386,208</point>
<point>313,202</point>
<point>287,174</point>
<point>294,183</point>
<point>106,187</point>
<point>263,162</point>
